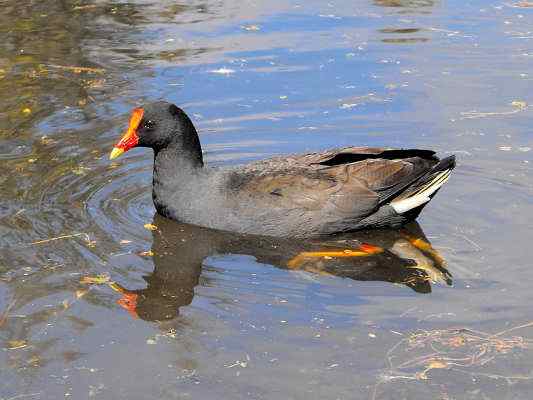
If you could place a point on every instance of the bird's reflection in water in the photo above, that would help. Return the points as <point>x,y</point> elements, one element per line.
<point>403,257</point>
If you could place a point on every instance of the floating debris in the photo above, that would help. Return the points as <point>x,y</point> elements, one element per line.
<point>96,280</point>
<point>522,4</point>
<point>80,170</point>
<point>518,107</point>
<point>77,70</point>
<point>253,28</point>
<point>171,333</point>
<point>150,227</point>
<point>4,316</point>
<point>458,348</point>
<point>520,104</point>
<point>85,7</point>
<point>86,236</point>
<point>16,344</point>
<point>239,363</point>
<point>223,71</point>
<point>462,350</point>
<point>347,106</point>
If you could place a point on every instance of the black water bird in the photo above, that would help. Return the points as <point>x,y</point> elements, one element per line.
<point>305,195</point>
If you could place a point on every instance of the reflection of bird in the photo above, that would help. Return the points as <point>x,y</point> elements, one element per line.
<point>305,195</point>
<point>180,249</point>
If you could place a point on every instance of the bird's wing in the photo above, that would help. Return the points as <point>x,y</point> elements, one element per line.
<point>350,182</point>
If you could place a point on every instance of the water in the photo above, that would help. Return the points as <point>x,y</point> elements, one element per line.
<point>209,315</point>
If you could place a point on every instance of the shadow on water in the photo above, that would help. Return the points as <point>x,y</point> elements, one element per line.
<point>180,251</point>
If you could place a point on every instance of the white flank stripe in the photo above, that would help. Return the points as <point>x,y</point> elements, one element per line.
<point>422,195</point>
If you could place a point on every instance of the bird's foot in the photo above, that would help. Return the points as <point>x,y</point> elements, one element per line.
<point>364,250</point>
<point>424,246</point>
<point>128,301</point>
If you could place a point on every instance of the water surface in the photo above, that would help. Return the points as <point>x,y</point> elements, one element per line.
<point>211,315</point>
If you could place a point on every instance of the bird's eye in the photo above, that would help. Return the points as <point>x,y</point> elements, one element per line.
<point>149,124</point>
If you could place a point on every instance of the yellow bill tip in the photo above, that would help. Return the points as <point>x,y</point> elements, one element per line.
<point>115,153</point>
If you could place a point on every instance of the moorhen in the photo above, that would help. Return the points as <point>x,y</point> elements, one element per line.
<point>302,195</point>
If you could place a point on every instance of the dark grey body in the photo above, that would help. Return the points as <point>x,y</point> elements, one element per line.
<point>208,197</point>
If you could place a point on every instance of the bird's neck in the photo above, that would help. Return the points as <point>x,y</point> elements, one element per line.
<point>176,167</point>
<point>175,164</point>
<point>178,158</point>
<point>183,154</point>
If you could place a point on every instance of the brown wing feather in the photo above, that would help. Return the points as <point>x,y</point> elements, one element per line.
<point>349,182</point>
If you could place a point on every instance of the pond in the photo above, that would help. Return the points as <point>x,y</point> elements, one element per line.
<point>100,297</point>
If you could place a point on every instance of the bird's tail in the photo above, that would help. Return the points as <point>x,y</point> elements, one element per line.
<point>421,191</point>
